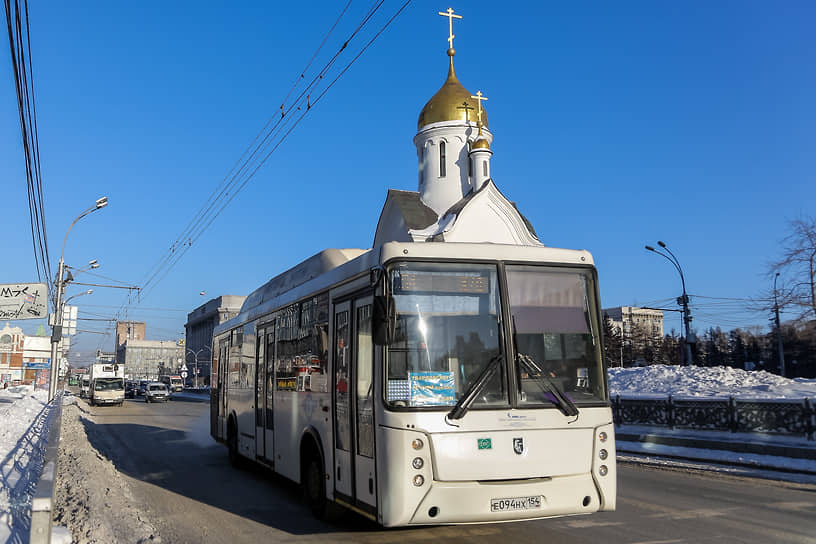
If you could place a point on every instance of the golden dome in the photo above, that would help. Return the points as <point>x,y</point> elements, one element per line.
<point>450,103</point>
<point>480,143</point>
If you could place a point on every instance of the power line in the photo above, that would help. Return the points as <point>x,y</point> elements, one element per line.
<point>20,47</point>
<point>249,165</point>
<point>272,140</point>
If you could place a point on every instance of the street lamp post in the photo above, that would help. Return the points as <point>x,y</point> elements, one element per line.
<point>195,355</point>
<point>88,292</point>
<point>56,333</point>
<point>682,300</point>
<point>779,332</point>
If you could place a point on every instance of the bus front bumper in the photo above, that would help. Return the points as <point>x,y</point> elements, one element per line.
<point>488,502</point>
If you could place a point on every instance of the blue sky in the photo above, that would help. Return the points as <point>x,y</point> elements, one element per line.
<point>615,125</point>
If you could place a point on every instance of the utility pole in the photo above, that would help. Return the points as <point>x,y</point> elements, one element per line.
<point>56,333</point>
<point>779,333</point>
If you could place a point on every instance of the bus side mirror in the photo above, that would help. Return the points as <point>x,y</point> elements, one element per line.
<point>382,320</point>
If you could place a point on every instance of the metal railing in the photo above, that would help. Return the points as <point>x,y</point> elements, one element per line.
<point>42,504</point>
<point>774,416</point>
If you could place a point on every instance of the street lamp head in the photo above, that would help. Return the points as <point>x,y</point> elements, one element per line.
<point>650,248</point>
<point>661,244</point>
<point>777,275</point>
<point>95,266</point>
<point>101,202</point>
<point>93,262</point>
<point>89,292</point>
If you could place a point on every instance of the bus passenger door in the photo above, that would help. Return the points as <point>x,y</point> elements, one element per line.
<point>342,401</point>
<point>269,388</point>
<point>221,401</point>
<point>364,467</point>
<point>355,476</point>
<point>260,393</point>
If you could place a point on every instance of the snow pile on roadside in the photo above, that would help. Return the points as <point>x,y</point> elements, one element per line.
<point>25,415</point>
<point>92,497</point>
<point>698,381</point>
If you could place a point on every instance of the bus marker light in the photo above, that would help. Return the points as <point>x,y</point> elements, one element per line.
<point>603,454</point>
<point>602,470</point>
<point>419,480</point>
<point>417,463</point>
<point>417,444</point>
<point>602,436</point>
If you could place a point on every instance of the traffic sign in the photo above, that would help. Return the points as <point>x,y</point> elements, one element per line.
<point>183,373</point>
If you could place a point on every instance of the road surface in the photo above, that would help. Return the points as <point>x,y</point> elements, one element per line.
<point>181,483</point>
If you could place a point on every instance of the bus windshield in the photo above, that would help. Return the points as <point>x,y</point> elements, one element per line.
<point>554,326</point>
<point>447,333</point>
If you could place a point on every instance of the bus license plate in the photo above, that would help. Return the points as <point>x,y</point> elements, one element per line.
<point>515,503</point>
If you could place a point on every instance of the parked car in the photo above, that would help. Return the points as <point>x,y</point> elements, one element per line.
<point>130,389</point>
<point>156,392</point>
<point>142,386</point>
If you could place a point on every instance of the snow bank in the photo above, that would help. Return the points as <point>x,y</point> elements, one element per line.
<point>712,382</point>
<point>93,499</point>
<point>25,415</point>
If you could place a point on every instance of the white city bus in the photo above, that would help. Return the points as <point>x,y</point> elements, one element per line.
<point>424,383</point>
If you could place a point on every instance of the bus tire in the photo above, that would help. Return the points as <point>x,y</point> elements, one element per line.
<point>232,444</point>
<point>313,483</point>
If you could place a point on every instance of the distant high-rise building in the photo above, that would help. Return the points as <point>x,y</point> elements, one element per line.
<point>128,330</point>
<point>627,318</point>
<point>149,359</point>
<point>199,332</point>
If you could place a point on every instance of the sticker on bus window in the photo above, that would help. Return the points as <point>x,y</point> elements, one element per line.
<point>432,388</point>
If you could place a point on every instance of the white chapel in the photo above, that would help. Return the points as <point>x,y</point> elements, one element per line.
<point>457,199</point>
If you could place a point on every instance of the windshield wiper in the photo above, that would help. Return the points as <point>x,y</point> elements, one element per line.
<point>562,401</point>
<point>462,406</point>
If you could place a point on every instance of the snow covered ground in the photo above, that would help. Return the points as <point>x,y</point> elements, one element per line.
<point>714,382</point>
<point>717,382</point>
<point>25,414</point>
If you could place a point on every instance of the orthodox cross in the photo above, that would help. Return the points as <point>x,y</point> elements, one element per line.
<point>479,97</point>
<point>449,14</point>
<point>465,106</point>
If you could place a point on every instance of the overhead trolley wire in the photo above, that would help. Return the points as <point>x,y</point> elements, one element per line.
<point>223,188</point>
<point>246,167</point>
<point>271,141</point>
<point>249,176</point>
<point>20,48</point>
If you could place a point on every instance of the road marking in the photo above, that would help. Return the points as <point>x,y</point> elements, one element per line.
<point>800,506</point>
<point>673,541</point>
<point>585,523</point>
<point>693,514</point>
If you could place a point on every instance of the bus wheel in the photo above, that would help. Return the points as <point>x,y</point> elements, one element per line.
<point>314,491</point>
<point>314,487</point>
<point>232,444</point>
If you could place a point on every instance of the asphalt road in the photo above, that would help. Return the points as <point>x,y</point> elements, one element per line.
<point>192,494</point>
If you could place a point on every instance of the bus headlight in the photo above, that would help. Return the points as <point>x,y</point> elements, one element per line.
<point>417,444</point>
<point>418,480</point>
<point>417,463</point>
<point>602,470</point>
<point>603,454</point>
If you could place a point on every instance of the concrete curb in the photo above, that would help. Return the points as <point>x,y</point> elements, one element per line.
<point>42,504</point>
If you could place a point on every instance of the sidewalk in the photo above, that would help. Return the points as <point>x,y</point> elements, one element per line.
<point>793,454</point>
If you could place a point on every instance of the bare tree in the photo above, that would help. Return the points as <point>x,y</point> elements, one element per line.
<point>797,269</point>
